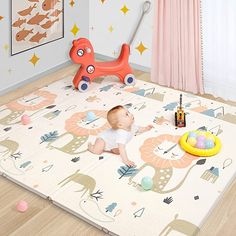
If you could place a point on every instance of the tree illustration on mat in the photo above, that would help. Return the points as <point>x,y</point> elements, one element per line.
<point>49,137</point>
<point>126,171</point>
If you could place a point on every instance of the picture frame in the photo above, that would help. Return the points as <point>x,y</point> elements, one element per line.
<point>35,23</point>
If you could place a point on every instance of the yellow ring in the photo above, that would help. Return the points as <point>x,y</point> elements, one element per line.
<point>197,151</point>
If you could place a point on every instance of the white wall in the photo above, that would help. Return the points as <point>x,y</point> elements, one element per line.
<point>93,19</point>
<point>106,14</point>
<point>51,54</point>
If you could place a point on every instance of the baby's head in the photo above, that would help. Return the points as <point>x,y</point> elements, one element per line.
<point>120,118</point>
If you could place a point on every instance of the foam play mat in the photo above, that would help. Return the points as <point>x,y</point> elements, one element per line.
<point>49,156</point>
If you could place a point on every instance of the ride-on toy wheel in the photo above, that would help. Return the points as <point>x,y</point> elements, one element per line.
<point>129,79</point>
<point>83,86</point>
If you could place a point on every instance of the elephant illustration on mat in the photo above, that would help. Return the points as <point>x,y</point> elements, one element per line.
<point>181,226</point>
<point>34,102</point>
<point>88,182</point>
<point>7,149</point>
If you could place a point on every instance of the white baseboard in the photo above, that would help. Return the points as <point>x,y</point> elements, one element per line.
<point>34,78</point>
<point>60,66</point>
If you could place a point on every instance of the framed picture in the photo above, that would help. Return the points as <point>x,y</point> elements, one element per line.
<point>35,23</point>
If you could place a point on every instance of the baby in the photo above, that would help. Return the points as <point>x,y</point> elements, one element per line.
<point>121,132</point>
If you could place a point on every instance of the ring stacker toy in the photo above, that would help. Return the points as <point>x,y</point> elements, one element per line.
<point>82,53</point>
<point>180,120</point>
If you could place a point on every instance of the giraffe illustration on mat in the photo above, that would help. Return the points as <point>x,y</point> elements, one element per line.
<point>8,147</point>
<point>88,182</point>
<point>181,226</point>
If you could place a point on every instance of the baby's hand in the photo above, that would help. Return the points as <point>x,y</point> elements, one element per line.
<point>149,127</point>
<point>129,163</point>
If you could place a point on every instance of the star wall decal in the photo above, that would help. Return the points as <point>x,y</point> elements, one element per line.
<point>74,30</point>
<point>72,3</point>
<point>110,29</point>
<point>102,1</point>
<point>6,46</point>
<point>124,9</point>
<point>34,59</point>
<point>141,48</point>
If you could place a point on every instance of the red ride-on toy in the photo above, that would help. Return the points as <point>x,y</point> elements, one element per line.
<point>82,53</point>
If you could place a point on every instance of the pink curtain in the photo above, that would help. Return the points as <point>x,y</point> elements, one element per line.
<point>176,60</point>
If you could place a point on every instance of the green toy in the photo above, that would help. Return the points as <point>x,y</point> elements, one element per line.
<point>146,183</point>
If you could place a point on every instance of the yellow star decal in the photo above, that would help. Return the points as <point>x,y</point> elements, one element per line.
<point>1,17</point>
<point>72,3</point>
<point>34,59</point>
<point>74,30</point>
<point>110,29</point>
<point>6,46</point>
<point>141,48</point>
<point>124,9</point>
<point>102,1</point>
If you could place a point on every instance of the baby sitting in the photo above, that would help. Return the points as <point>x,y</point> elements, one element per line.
<point>121,132</point>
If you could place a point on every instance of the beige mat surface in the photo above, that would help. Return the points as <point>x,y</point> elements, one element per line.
<point>49,156</point>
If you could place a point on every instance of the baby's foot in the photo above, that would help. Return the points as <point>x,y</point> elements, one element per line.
<point>90,147</point>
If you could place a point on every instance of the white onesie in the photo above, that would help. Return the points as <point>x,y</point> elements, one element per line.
<point>112,137</point>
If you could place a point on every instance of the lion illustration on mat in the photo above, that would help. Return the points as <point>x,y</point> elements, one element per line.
<point>161,154</point>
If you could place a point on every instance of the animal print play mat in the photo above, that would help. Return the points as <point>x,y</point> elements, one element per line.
<point>49,156</point>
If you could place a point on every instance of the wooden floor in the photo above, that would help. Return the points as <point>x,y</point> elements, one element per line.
<point>43,218</point>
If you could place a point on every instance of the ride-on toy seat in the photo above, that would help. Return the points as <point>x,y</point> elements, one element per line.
<point>82,53</point>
